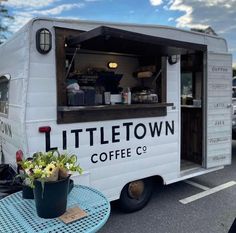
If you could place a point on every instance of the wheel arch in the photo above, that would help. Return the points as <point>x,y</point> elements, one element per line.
<point>158,179</point>
<point>136,194</point>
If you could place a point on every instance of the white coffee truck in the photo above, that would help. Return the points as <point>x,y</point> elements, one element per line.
<point>64,85</point>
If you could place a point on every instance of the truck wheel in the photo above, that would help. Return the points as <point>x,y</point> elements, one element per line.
<point>135,195</point>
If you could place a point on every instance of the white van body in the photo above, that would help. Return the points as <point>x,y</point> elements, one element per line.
<point>33,104</point>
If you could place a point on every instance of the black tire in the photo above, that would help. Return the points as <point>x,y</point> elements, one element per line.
<point>130,204</point>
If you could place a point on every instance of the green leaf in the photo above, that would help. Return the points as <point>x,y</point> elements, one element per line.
<point>73,159</point>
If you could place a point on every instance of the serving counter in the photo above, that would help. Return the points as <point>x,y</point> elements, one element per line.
<point>72,114</point>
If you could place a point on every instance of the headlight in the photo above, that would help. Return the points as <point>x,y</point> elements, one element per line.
<point>233,122</point>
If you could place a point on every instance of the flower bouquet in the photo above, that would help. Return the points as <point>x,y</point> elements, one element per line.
<point>48,174</point>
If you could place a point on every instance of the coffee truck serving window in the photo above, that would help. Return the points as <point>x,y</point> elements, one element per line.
<point>108,73</point>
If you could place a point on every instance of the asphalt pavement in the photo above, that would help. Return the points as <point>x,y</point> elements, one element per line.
<point>165,214</point>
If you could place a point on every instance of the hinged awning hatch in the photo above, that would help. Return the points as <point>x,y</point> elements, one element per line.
<point>116,40</point>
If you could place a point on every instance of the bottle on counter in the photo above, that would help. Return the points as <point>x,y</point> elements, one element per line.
<point>129,96</point>
<point>126,96</point>
<point>107,97</point>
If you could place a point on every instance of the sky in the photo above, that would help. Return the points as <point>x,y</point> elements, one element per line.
<point>184,14</point>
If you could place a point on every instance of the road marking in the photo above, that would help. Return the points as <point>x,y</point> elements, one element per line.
<point>196,185</point>
<point>207,192</point>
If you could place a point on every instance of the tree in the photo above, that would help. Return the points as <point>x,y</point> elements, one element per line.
<point>4,17</point>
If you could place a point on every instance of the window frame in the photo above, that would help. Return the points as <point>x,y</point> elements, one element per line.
<point>67,114</point>
<point>8,77</point>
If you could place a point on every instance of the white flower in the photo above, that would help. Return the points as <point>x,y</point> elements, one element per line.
<point>27,181</point>
<point>68,166</point>
<point>27,171</point>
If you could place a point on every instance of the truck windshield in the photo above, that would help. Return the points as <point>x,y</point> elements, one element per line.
<point>4,89</point>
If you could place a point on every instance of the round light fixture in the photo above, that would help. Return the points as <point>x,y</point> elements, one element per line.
<point>112,65</point>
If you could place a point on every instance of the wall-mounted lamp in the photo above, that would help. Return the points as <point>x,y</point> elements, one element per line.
<point>43,40</point>
<point>173,59</point>
<point>112,65</point>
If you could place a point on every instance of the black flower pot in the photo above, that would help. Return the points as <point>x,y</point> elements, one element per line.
<point>51,198</point>
<point>71,186</point>
<point>27,192</point>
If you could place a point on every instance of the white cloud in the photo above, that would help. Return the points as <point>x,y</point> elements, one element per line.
<point>170,19</point>
<point>186,19</point>
<point>219,14</point>
<point>226,3</point>
<point>165,8</point>
<point>156,2</point>
<point>170,2</point>
<point>20,19</point>
<point>195,12</point>
<point>58,10</point>
<point>29,3</point>
<point>227,29</point>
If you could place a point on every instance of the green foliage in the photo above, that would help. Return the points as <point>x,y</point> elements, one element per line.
<point>4,15</point>
<point>49,166</point>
